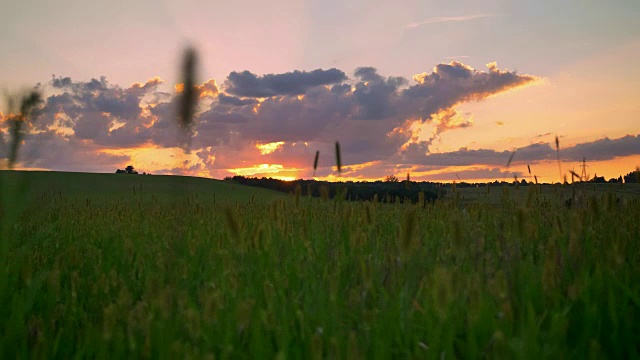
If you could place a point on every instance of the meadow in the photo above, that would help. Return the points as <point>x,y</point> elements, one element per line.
<point>126,266</point>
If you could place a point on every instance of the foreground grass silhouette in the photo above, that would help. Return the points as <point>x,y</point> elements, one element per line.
<point>123,275</point>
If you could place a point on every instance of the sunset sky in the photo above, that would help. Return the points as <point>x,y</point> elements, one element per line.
<point>445,90</point>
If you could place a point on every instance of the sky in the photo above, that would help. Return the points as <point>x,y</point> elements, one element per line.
<point>443,90</point>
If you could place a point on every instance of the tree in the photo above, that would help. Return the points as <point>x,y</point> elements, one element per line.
<point>391,178</point>
<point>130,170</point>
<point>632,177</point>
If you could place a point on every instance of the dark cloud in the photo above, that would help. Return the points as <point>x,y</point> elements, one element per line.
<point>67,83</point>
<point>235,101</point>
<point>450,84</point>
<point>341,89</point>
<point>61,82</point>
<point>91,109</point>
<point>599,150</point>
<point>470,175</point>
<point>367,74</point>
<point>466,157</point>
<point>50,150</point>
<point>603,149</point>
<point>292,83</point>
<point>92,126</point>
<point>375,96</point>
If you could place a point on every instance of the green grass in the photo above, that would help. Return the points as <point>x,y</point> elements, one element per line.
<point>519,194</point>
<point>286,277</point>
<point>106,188</point>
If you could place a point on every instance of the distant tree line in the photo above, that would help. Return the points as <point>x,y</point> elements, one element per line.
<point>387,191</point>
<point>632,177</point>
<point>392,189</point>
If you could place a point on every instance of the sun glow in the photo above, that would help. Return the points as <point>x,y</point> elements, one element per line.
<point>276,171</point>
<point>269,148</point>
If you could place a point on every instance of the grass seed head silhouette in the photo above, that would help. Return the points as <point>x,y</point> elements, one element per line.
<point>315,163</point>
<point>574,175</point>
<point>19,123</point>
<point>338,160</point>
<point>558,156</point>
<point>511,158</point>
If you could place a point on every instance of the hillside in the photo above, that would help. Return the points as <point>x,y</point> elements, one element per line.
<point>108,187</point>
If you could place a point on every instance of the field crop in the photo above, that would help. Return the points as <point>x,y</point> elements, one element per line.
<point>155,267</point>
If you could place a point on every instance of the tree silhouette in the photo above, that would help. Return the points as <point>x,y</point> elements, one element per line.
<point>632,177</point>
<point>391,178</point>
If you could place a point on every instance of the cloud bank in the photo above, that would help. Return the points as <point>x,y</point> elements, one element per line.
<point>96,126</point>
<point>598,150</point>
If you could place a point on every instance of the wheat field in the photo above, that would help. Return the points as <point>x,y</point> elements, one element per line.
<point>204,269</point>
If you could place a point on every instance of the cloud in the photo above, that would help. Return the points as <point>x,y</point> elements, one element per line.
<point>470,175</point>
<point>598,150</point>
<point>292,83</point>
<point>444,19</point>
<point>468,157</point>
<point>235,101</point>
<point>373,116</point>
<point>208,89</point>
<point>449,84</point>
<point>603,149</point>
<point>49,150</point>
<point>374,95</point>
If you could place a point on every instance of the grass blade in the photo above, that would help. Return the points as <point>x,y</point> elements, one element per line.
<point>315,163</point>
<point>189,98</point>
<point>511,158</point>
<point>338,159</point>
<point>558,155</point>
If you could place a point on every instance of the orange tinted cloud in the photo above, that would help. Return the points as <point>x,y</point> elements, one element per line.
<point>154,81</point>
<point>209,89</point>
<point>271,170</point>
<point>269,147</point>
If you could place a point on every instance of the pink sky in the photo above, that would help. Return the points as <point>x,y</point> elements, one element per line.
<point>414,86</point>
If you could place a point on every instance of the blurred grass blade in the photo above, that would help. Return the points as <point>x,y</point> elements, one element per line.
<point>511,158</point>
<point>18,124</point>
<point>558,155</point>
<point>338,159</point>
<point>189,97</point>
<point>574,175</point>
<point>315,163</point>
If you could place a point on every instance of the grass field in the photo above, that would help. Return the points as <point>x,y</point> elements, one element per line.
<point>90,269</point>
<point>106,188</point>
<point>493,195</point>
